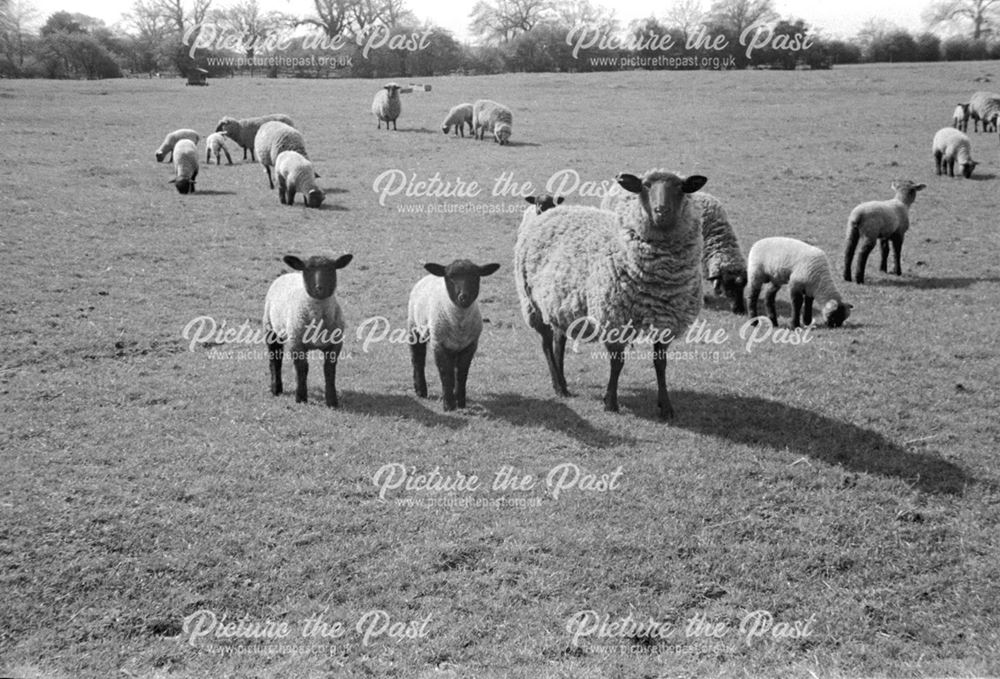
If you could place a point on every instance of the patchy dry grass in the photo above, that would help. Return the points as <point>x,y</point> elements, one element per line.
<point>850,481</point>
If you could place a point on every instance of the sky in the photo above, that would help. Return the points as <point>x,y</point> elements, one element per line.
<point>835,18</point>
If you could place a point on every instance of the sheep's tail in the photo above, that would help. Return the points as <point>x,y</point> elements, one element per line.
<point>851,242</point>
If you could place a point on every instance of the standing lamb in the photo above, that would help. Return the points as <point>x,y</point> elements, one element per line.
<point>960,118</point>
<point>443,312</point>
<point>167,147</point>
<point>984,106</point>
<point>879,220</point>
<point>722,260</point>
<point>489,116</point>
<point>244,131</point>
<point>777,261</point>
<point>949,146</point>
<point>458,117</point>
<point>297,175</point>
<point>272,138</point>
<point>216,143</point>
<point>618,276</point>
<point>185,166</point>
<point>301,313</point>
<point>386,106</point>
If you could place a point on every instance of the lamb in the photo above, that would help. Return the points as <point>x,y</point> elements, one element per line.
<point>216,143</point>
<point>543,202</point>
<point>884,220</point>
<point>167,147</point>
<point>722,260</point>
<point>244,131</point>
<point>301,313</point>
<point>185,155</point>
<point>615,276</point>
<point>489,116</point>
<point>444,313</point>
<point>386,106</point>
<point>951,145</point>
<point>777,261</point>
<point>272,139</point>
<point>296,174</point>
<point>960,118</point>
<point>984,106</point>
<point>458,117</point>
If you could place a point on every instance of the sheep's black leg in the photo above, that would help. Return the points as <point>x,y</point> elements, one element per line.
<point>558,382</point>
<point>229,158</point>
<point>330,357</point>
<point>462,373</point>
<point>797,298</point>
<point>282,187</point>
<point>274,355</point>
<point>951,167</point>
<point>937,161</point>
<point>752,298</point>
<point>418,357</point>
<point>290,195</point>
<point>660,366</point>
<point>559,353</point>
<point>853,233</point>
<point>807,310</point>
<point>897,251</point>
<point>446,369</point>
<point>394,128</point>
<point>208,156</point>
<point>884,261</point>
<point>245,152</point>
<point>867,245</point>
<point>772,312</point>
<point>270,181</point>
<point>194,176</point>
<point>616,352</point>
<point>301,363</point>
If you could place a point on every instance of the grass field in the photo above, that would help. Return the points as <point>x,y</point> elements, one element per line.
<point>847,486</point>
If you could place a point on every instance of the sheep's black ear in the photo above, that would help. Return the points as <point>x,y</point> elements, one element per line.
<point>918,187</point>
<point>629,182</point>
<point>343,261</point>
<point>693,183</point>
<point>559,200</point>
<point>488,269</point>
<point>294,262</point>
<point>435,269</point>
<point>530,199</point>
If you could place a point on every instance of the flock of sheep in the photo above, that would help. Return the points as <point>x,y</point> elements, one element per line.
<point>629,270</point>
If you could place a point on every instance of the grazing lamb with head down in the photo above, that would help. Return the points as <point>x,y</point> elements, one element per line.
<point>984,106</point>
<point>951,146</point>
<point>216,143</point>
<point>297,175</point>
<point>244,131</point>
<point>458,117</point>
<point>386,106</point>
<point>886,221</point>
<point>777,261</point>
<point>489,116</point>
<point>960,118</point>
<point>167,147</point>
<point>272,139</point>
<point>185,166</point>
<point>635,272</point>
<point>443,312</point>
<point>301,313</point>
<point>722,260</point>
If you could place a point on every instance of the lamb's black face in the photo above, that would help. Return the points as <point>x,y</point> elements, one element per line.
<point>314,198</point>
<point>319,273</point>
<point>967,169</point>
<point>837,317</point>
<point>185,186</point>
<point>544,202</point>
<point>732,286</point>
<point>461,280</point>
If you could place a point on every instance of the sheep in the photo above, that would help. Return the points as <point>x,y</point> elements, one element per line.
<point>883,220</point>
<point>960,118</point>
<point>443,312</point>
<point>984,106</point>
<point>185,155</point>
<point>722,260</point>
<point>489,116</point>
<point>216,143</point>
<point>778,260</point>
<point>301,313</point>
<point>617,276</point>
<point>296,174</point>
<point>458,117</point>
<point>386,106</point>
<point>272,138</point>
<point>543,202</point>
<point>951,145</point>
<point>244,131</point>
<point>167,147</point>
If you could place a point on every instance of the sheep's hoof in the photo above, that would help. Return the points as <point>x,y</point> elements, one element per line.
<point>332,402</point>
<point>301,398</point>
<point>448,407</point>
<point>276,390</point>
<point>666,412</point>
<point>422,393</point>
<point>610,405</point>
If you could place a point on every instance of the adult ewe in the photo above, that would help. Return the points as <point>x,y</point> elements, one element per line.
<point>386,106</point>
<point>167,147</point>
<point>244,130</point>
<point>273,138</point>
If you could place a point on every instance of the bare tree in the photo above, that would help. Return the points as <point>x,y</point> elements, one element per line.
<point>737,15</point>
<point>584,12</point>
<point>685,15</point>
<point>502,20</point>
<point>15,16</point>
<point>983,15</point>
<point>333,17</point>
<point>389,13</point>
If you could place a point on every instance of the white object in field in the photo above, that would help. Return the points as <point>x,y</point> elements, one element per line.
<point>415,88</point>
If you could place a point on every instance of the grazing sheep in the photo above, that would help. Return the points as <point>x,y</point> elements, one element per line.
<point>722,260</point>
<point>216,143</point>
<point>960,118</point>
<point>443,311</point>
<point>167,147</point>
<point>185,155</point>
<point>244,131</point>
<point>544,201</point>
<point>458,117</point>
<point>883,220</point>
<point>615,276</point>
<point>984,106</point>
<point>489,116</point>
<point>386,106</point>
<point>297,175</point>
<point>777,261</point>
<point>951,145</point>
<point>301,313</point>
<point>272,138</point>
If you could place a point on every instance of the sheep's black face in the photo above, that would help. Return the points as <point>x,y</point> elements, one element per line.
<point>319,273</point>
<point>967,169</point>
<point>185,186</point>
<point>732,285</point>
<point>836,317</point>
<point>544,202</point>
<point>314,198</point>
<point>663,196</point>
<point>445,128</point>
<point>160,156</point>
<point>461,280</point>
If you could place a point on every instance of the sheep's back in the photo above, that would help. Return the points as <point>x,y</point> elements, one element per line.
<point>275,137</point>
<point>185,158</point>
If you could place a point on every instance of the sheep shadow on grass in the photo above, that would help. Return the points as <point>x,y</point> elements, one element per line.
<point>427,413</point>
<point>523,411</point>
<point>756,421</point>
<point>210,192</point>
<point>943,283</point>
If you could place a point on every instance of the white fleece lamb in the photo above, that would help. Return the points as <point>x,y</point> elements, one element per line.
<point>216,143</point>
<point>779,261</point>
<point>951,146</point>
<point>885,221</point>
<point>960,117</point>
<point>458,117</point>
<point>244,130</point>
<point>185,165</point>
<point>167,147</point>
<point>495,118</point>
<point>296,174</point>
<point>272,139</point>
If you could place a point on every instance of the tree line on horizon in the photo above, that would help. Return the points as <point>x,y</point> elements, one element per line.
<point>510,36</point>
